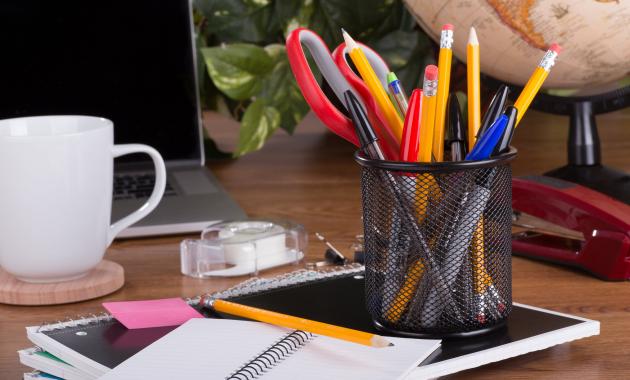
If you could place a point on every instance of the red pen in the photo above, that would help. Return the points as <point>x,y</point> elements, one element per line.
<point>410,142</point>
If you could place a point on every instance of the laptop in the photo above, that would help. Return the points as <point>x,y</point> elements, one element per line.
<point>133,62</point>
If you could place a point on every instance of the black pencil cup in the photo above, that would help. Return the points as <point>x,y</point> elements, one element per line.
<point>438,245</point>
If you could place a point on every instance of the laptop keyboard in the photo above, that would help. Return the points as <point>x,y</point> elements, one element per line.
<point>135,186</point>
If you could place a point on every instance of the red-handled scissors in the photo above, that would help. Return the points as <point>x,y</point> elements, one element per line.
<point>341,78</point>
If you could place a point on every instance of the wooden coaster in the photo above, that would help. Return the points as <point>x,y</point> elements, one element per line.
<point>106,278</point>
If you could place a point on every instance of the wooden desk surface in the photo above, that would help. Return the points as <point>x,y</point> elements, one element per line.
<point>311,178</point>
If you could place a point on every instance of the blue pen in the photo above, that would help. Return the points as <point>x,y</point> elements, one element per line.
<point>487,142</point>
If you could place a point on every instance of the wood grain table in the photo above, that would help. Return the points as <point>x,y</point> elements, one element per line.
<point>310,177</point>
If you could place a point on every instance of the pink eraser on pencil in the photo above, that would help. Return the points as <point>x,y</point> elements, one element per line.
<point>555,47</point>
<point>431,72</point>
<point>448,27</point>
<point>152,313</point>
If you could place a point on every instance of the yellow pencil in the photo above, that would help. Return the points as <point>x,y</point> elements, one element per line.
<point>406,292</point>
<point>427,189</point>
<point>429,88</point>
<point>426,184</point>
<point>481,278</point>
<point>444,79</point>
<point>371,80</point>
<point>474,87</point>
<point>536,80</point>
<point>297,323</point>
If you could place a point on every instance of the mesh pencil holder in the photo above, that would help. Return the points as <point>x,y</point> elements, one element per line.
<point>438,245</point>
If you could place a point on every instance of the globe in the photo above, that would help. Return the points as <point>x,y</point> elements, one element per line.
<point>513,34</point>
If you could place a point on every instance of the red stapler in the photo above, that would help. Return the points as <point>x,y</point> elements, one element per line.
<point>590,230</point>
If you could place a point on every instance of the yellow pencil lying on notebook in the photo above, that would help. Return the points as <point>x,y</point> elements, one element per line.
<point>297,323</point>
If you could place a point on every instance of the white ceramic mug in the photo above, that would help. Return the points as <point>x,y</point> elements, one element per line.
<point>56,175</point>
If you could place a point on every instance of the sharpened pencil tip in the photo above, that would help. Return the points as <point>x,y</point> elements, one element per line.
<point>350,43</point>
<point>378,341</point>
<point>472,37</point>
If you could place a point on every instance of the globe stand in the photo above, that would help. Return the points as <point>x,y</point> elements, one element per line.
<point>583,147</point>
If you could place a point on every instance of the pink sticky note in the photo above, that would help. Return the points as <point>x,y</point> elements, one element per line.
<point>152,313</point>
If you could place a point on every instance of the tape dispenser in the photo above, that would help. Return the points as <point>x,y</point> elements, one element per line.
<point>243,247</point>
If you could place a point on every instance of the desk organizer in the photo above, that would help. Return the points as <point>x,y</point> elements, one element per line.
<point>438,245</point>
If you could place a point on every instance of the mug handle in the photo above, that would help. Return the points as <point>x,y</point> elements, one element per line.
<point>156,195</point>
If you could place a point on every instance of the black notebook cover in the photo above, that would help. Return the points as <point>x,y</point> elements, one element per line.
<point>338,301</point>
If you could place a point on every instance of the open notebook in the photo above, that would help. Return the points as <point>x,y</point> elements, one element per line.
<point>228,349</point>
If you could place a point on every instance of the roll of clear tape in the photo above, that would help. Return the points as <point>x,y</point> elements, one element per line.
<point>242,247</point>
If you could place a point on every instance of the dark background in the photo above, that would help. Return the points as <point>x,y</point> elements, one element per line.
<point>128,61</point>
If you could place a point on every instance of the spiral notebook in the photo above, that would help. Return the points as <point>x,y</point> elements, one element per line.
<point>98,343</point>
<point>239,350</point>
<point>36,358</point>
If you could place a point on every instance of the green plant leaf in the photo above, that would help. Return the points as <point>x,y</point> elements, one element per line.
<point>296,18</point>
<point>281,91</point>
<point>259,122</point>
<point>363,19</point>
<point>236,70</point>
<point>398,18</point>
<point>237,20</point>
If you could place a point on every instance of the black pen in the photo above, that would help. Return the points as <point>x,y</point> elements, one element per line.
<point>369,146</point>
<point>508,132</point>
<point>365,132</point>
<point>456,133</point>
<point>495,109</point>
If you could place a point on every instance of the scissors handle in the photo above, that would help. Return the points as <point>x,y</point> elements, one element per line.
<point>319,103</point>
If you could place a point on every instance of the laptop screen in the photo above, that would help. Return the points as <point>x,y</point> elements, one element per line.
<point>128,61</point>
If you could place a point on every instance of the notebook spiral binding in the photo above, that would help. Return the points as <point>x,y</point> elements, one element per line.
<point>78,321</point>
<point>272,356</point>
<point>299,277</point>
<point>34,350</point>
<point>251,286</point>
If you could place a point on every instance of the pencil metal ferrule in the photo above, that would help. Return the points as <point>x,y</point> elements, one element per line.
<point>548,60</point>
<point>429,87</point>
<point>446,39</point>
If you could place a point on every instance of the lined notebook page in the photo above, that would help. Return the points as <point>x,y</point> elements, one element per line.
<point>215,348</point>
